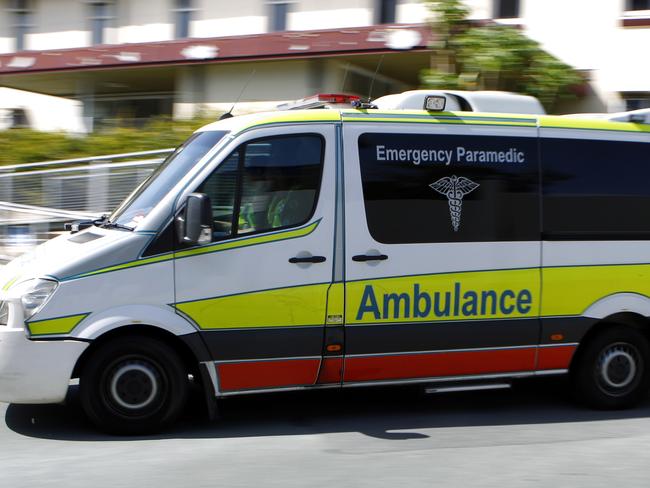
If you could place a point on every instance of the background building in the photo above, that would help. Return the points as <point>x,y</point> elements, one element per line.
<point>605,39</point>
<point>126,60</point>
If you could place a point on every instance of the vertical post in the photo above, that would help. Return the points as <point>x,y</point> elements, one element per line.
<point>97,188</point>
<point>86,94</point>
<point>6,185</point>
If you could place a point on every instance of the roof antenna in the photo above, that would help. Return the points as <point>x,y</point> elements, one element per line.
<point>365,104</point>
<point>372,83</point>
<point>345,76</point>
<point>229,114</point>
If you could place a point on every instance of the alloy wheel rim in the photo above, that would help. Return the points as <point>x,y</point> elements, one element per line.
<point>134,385</point>
<point>617,368</point>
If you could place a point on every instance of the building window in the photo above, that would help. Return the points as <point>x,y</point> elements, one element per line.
<point>183,13</point>
<point>279,12</point>
<point>637,102</point>
<point>506,9</point>
<point>637,5</point>
<point>21,13</point>
<point>100,16</point>
<point>19,119</point>
<point>386,11</point>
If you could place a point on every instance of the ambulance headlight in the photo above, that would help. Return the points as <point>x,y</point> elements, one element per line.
<point>34,294</point>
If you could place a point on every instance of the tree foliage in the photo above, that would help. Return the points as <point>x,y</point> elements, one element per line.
<point>469,56</point>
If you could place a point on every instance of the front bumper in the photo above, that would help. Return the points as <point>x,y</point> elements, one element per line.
<point>33,371</point>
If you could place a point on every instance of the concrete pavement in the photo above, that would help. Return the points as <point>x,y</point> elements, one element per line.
<point>530,436</point>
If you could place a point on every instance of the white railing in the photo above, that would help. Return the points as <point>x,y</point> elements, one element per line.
<point>37,198</point>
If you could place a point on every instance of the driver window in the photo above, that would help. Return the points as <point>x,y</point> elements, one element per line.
<point>221,187</point>
<point>272,183</point>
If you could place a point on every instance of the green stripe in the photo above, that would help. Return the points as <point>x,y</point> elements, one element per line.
<point>10,283</point>
<point>210,248</point>
<point>294,117</point>
<point>555,122</point>
<point>435,117</point>
<point>281,124</point>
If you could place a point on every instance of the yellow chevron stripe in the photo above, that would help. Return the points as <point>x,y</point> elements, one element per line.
<point>283,307</point>
<point>61,325</point>
<point>572,290</point>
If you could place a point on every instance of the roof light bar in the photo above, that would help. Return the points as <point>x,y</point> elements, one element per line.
<point>320,100</point>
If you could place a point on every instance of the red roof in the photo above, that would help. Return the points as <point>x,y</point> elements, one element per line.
<point>292,44</point>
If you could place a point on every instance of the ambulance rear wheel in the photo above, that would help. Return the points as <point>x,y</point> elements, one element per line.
<point>133,385</point>
<point>613,369</point>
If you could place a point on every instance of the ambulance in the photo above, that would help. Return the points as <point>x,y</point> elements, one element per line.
<point>334,248</point>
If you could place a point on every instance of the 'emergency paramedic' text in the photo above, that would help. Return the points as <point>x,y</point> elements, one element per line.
<point>447,156</point>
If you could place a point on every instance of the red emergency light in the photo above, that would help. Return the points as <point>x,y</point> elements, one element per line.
<point>320,100</point>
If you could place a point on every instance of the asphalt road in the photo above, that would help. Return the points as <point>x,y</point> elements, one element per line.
<point>532,435</point>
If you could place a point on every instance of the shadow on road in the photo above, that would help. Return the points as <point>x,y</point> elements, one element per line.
<point>383,413</point>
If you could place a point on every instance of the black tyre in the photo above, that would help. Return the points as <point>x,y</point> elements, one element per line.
<point>133,385</point>
<point>612,369</point>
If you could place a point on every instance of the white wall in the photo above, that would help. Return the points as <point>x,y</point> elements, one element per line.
<point>6,41</point>
<point>58,24</point>
<point>412,12</point>
<point>44,113</point>
<point>333,14</point>
<point>144,21</point>
<point>240,17</point>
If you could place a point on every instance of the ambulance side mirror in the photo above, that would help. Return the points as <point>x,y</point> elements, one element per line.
<point>194,221</point>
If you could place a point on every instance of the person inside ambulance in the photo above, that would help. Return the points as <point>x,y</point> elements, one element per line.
<point>279,183</point>
<point>273,196</point>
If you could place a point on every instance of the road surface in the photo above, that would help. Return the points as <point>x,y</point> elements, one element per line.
<point>532,435</point>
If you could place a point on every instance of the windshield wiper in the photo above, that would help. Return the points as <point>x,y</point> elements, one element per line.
<point>105,223</point>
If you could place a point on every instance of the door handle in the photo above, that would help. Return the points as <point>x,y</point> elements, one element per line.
<point>362,258</point>
<point>308,259</point>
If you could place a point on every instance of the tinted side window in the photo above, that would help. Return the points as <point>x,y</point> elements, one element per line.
<point>422,188</point>
<point>595,188</point>
<point>280,182</point>
<point>266,184</point>
<point>221,187</point>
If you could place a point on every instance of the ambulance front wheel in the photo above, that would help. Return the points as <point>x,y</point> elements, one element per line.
<point>133,385</point>
<point>612,370</point>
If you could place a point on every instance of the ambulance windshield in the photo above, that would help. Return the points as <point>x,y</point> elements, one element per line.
<point>144,198</point>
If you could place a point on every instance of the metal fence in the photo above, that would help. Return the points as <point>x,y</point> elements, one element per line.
<point>37,198</point>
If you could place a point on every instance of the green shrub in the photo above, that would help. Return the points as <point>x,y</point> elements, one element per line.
<point>19,146</point>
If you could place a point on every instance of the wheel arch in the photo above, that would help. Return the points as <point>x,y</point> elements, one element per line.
<point>151,321</point>
<point>190,347</point>
<point>618,303</point>
<point>626,318</point>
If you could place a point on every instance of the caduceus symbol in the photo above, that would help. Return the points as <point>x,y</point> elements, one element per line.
<point>454,189</point>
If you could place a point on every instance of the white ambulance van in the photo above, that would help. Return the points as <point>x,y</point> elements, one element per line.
<point>340,248</point>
